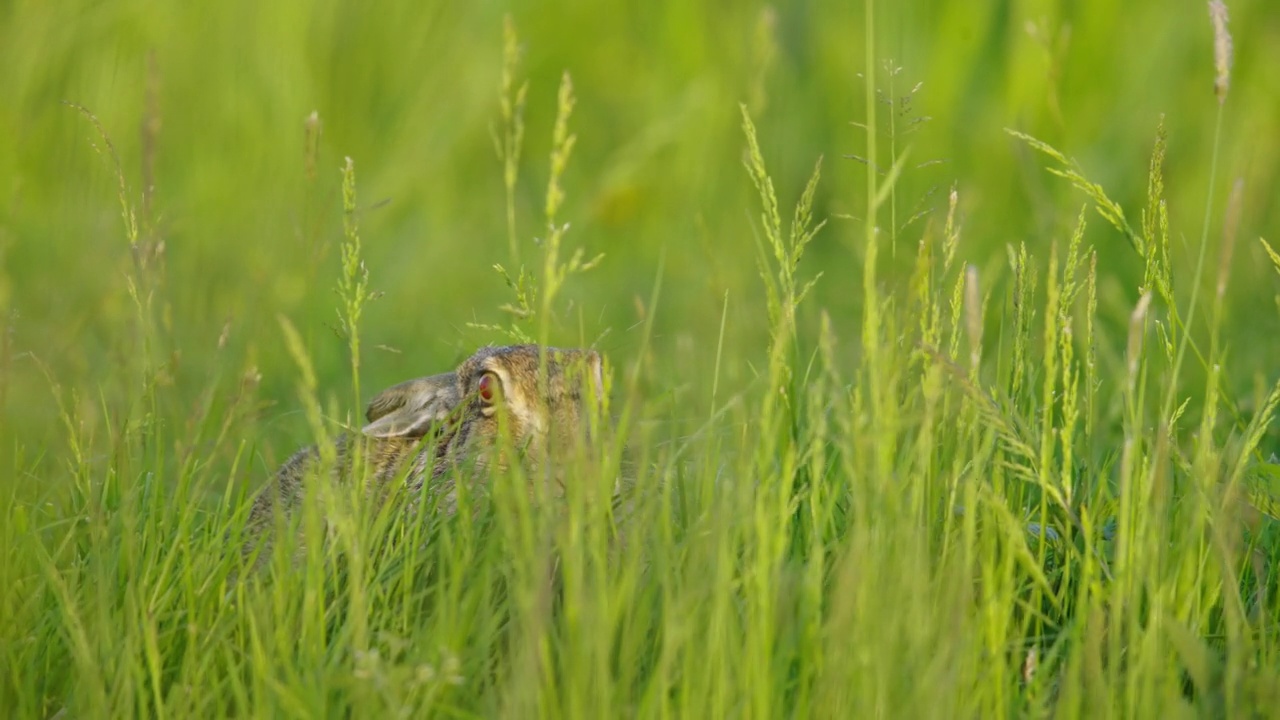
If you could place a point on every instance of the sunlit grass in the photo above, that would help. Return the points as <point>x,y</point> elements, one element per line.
<point>1000,487</point>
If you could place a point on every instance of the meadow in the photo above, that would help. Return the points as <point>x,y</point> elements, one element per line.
<point>941,342</point>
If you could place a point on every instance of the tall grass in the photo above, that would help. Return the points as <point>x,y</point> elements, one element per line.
<point>989,500</point>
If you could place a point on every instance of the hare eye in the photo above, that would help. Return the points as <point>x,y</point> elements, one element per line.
<point>487,388</point>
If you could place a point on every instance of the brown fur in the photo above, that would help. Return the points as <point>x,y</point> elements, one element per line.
<point>442,420</point>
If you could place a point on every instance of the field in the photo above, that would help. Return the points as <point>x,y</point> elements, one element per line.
<point>941,338</point>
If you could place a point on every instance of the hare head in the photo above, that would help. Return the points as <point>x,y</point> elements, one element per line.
<point>533,401</point>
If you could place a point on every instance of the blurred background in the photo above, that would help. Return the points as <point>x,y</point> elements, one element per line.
<point>206,105</point>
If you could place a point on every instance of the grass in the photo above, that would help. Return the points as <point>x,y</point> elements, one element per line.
<point>980,438</point>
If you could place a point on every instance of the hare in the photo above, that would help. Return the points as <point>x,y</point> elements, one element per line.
<point>431,425</point>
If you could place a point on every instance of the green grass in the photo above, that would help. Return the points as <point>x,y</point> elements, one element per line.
<point>940,339</point>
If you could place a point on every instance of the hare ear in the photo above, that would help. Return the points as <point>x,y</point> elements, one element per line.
<point>410,408</point>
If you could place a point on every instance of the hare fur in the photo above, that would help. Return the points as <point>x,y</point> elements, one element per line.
<point>430,425</point>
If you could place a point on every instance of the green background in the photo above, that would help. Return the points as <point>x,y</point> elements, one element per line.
<point>410,92</point>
